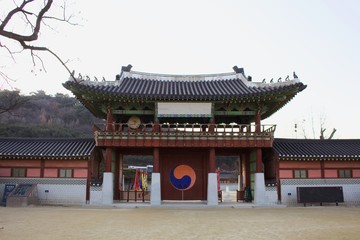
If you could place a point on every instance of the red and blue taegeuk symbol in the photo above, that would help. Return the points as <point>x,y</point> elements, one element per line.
<point>182,177</point>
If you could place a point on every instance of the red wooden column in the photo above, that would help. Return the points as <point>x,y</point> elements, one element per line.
<point>245,157</point>
<point>278,185</point>
<point>156,161</point>
<point>241,171</point>
<point>108,151</point>
<point>258,121</point>
<point>108,159</point>
<point>212,160</point>
<point>109,121</point>
<point>156,127</point>
<point>259,163</point>
<point>211,126</point>
<point>117,176</point>
<point>121,171</point>
<point>89,165</point>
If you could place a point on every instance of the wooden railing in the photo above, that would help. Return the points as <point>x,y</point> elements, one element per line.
<point>135,196</point>
<point>184,132</point>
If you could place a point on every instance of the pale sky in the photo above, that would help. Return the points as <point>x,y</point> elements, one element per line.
<point>318,39</point>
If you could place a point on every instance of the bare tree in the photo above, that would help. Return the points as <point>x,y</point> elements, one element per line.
<point>322,133</point>
<point>34,14</point>
<point>11,100</point>
<point>313,125</point>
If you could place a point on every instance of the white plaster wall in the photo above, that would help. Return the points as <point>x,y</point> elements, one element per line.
<point>271,195</point>
<point>351,189</point>
<point>53,190</point>
<point>62,194</point>
<point>96,195</point>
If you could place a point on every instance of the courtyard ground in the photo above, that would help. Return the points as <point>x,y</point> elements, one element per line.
<point>53,223</point>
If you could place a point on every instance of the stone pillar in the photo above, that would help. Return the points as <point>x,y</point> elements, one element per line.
<point>108,188</point>
<point>108,179</point>
<point>212,160</point>
<point>212,194</point>
<point>259,191</point>
<point>155,197</point>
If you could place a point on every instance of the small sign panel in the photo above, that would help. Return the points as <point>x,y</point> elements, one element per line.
<point>176,109</point>
<point>8,189</point>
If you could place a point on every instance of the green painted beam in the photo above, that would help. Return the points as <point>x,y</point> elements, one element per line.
<point>134,112</point>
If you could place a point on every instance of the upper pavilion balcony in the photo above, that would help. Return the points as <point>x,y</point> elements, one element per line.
<point>185,135</point>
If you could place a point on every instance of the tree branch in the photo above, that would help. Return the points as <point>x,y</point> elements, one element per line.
<point>37,48</point>
<point>25,40</point>
<point>35,34</point>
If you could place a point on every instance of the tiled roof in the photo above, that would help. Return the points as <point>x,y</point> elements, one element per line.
<point>334,149</point>
<point>46,148</point>
<point>209,87</point>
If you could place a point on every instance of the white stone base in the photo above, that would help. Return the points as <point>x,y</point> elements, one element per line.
<point>212,194</point>
<point>155,198</point>
<point>108,188</point>
<point>259,191</point>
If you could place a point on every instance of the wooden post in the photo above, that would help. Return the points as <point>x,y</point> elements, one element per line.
<point>241,170</point>
<point>87,198</point>
<point>108,159</point>
<point>259,163</point>
<point>121,172</point>
<point>156,161</point>
<point>156,127</point>
<point>212,160</point>
<point>117,176</point>
<point>247,170</point>
<point>109,121</point>
<point>211,128</point>
<point>258,122</point>
<point>278,186</point>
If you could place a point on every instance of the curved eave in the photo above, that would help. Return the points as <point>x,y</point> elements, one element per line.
<point>88,94</point>
<point>278,105</point>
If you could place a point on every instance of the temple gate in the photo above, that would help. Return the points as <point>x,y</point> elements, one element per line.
<point>185,121</point>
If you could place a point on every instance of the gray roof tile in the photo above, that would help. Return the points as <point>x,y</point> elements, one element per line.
<point>55,147</point>
<point>315,148</point>
<point>183,87</point>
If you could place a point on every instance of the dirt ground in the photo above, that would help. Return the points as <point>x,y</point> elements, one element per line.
<point>170,223</point>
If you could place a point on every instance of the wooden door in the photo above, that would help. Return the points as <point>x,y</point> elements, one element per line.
<point>183,174</point>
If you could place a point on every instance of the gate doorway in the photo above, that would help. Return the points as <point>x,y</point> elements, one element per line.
<point>183,174</point>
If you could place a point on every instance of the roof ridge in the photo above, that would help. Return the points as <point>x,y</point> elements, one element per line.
<point>182,77</point>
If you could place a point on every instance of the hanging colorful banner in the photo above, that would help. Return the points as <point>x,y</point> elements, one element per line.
<point>136,182</point>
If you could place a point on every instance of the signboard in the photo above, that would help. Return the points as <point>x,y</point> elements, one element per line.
<point>23,190</point>
<point>7,190</point>
<point>189,109</point>
<point>320,195</point>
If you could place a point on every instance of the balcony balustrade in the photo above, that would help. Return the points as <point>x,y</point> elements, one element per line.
<point>185,135</point>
